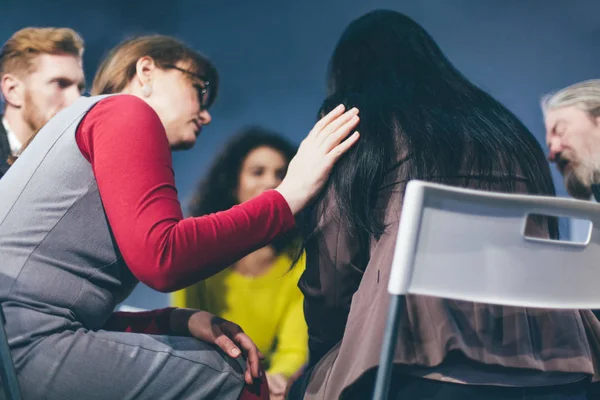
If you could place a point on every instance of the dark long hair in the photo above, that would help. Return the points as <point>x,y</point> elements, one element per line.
<point>216,192</point>
<point>415,103</point>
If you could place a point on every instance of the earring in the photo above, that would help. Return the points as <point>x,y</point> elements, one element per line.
<point>146,90</point>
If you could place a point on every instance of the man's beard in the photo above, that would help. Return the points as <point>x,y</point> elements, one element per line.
<point>579,176</point>
<point>32,114</point>
<point>579,181</point>
<point>576,187</point>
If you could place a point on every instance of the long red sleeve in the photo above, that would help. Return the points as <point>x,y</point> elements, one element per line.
<point>124,140</point>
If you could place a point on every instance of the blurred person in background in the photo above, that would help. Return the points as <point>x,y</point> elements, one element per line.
<point>92,209</point>
<point>258,292</point>
<point>572,119</point>
<point>41,73</point>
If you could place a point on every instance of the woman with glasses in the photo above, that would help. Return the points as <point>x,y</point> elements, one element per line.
<point>92,208</point>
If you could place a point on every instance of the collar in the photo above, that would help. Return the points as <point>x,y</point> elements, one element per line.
<point>14,143</point>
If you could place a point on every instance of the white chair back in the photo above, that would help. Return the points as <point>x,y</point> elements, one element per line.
<point>471,245</point>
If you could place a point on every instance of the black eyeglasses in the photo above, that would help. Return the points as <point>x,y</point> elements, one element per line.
<point>201,83</point>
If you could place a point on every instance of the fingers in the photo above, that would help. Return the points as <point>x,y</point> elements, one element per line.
<point>337,136</point>
<point>248,373</point>
<point>336,124</point>
<point>341,148</point>
<point>225,343</point>
<point>252,353</point>
<point>323,122</point>
<point>247,345</point>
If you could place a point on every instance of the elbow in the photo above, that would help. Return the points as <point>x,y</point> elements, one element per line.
<point>162,286</point>
<point>159,271</point>
<point>160,279</point>
<point>163,283</point>
<point>168,273</point>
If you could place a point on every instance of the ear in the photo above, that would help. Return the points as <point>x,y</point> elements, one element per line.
<point>143,70</point>
<point>13,90</point>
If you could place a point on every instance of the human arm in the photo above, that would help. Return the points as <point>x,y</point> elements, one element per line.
<point>125,142</point>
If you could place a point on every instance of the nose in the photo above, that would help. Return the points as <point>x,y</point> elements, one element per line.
<point>554,148</point>
<point>205,117</point>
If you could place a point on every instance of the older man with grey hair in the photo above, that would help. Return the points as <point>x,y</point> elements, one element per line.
<point>572,118</point>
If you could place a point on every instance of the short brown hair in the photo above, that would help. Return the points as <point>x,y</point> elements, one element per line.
<point>119,68</point>
<point>19,52</point>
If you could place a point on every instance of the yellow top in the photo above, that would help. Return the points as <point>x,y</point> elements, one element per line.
<point>269,308</point>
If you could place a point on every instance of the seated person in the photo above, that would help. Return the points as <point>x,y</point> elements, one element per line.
<point>422,119</point>
<point>90,208</point>
<point>259,292</point>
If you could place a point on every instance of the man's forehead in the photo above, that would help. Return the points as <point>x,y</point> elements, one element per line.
<point>45,63</point>
<point>50,67</point>
<point>558,115</point>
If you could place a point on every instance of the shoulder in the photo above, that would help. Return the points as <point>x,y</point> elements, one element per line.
<point>124,105</point>
<point>120,109</point>
<point>113,120</point>
<point>121,113</point>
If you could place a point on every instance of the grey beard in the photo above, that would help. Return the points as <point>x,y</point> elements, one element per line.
<point>580,190</point>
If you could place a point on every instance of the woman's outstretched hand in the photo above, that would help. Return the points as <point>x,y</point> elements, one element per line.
<point>319,151</point>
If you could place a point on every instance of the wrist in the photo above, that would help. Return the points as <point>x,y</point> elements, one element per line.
<point>292,196</point>
<point>180,318</point>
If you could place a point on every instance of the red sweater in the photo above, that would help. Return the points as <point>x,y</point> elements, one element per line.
<point>126,144</point>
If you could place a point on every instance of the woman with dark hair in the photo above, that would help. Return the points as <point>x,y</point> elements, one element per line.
<point>91,208</point>
<point>258,292</point>
<point>422,119</point>
<point>218,191</point>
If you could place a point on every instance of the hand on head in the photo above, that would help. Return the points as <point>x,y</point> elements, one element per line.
<point>309,169</point>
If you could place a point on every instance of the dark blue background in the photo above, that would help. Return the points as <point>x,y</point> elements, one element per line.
<point>272,55</point>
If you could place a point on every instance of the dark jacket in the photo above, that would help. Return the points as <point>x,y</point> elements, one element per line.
<point>4,150</point>
<point>346,302</point>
